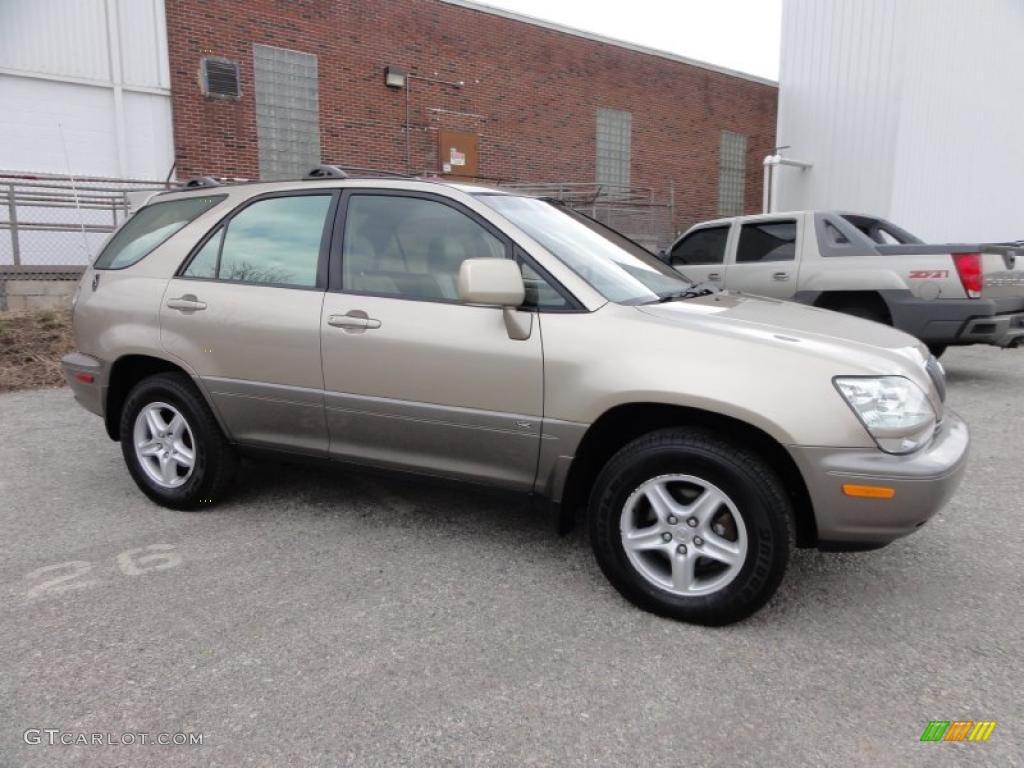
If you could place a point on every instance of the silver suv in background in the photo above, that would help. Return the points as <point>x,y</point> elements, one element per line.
<point>462,332</point>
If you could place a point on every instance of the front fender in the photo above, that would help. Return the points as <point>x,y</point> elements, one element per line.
<point>755,374</point>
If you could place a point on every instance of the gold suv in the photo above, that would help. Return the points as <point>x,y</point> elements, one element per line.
<point>472,334</point>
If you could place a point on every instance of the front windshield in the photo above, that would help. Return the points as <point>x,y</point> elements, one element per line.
<point>618,269</point>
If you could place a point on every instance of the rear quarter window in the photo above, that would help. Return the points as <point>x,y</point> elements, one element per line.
<point>149,228</point>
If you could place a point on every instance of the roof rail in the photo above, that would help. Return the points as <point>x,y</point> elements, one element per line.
<point>378,172</point>
<point>200,182</point>
<point>326,172</point>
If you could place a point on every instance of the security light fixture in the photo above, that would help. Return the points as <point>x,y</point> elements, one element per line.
<point>394,77</point>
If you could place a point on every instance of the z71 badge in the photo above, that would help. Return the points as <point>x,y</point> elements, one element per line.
<point>928,274</point>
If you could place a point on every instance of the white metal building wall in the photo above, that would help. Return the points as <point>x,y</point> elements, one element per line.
<point>89,77</point>
<point>910,109</point>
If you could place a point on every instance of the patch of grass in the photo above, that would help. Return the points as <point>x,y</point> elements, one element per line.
<point>31,345</point>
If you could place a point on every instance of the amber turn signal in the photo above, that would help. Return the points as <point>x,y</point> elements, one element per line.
<point>869,491</point>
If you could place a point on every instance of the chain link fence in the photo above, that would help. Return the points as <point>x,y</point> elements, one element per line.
<point>62,221</point>
<point>52,226</point>
<point>636,212</point>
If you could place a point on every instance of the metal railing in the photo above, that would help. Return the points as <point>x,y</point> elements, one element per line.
<point>58,223</point>
<point>636,212</point>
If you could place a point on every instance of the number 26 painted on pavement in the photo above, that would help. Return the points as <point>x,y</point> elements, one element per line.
<point>64,577</point>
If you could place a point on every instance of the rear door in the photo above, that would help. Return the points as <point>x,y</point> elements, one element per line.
<point>244,313</point>
<point>700,254</point>
<point>764,258</point>
<point>415,379</point>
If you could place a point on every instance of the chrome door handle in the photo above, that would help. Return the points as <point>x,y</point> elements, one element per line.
<point>715,276</point>
<point>353,322</point>
<point>781,276</point>
<point>186,303</point>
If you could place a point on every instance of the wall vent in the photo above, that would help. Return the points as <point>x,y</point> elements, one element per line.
<point>219,78</point>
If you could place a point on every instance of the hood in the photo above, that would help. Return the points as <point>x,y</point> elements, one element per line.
<point>873,345</point>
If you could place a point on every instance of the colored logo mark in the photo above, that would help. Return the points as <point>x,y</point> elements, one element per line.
<point>958,730</point>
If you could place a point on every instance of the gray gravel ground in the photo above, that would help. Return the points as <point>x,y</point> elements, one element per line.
<point>325,618</point>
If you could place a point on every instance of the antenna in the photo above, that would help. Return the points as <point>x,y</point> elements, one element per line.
<point>74,191</point>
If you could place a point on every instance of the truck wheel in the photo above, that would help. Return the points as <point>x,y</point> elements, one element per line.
<point>172,444</point>
<point>691,526</point>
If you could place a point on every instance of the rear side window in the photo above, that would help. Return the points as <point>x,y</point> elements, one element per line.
<point>149,228</point>
<point>705,246</point>
<point>767,241</point>
<point>274,241</point>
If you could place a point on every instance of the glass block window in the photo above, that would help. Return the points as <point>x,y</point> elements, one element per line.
<point>287,112</point>
<point>614,128</point>
<point>732,173</point>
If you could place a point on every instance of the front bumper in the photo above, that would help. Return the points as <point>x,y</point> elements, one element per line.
<point>923,482</point>
<point>87,378</point>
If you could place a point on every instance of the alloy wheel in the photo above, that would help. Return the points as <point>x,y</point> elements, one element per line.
<point>164,444</point>
<point>683,534</point>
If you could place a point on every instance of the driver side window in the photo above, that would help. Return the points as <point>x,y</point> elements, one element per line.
<point>705,246</point>
<point>410,247</point>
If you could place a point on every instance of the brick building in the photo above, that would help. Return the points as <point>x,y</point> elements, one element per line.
<point>263,88</point>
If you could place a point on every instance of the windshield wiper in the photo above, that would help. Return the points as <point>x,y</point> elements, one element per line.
<point>692,292</point>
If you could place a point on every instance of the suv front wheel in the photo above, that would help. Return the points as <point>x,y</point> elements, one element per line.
<point>691,526</point>
<point>172,444</point>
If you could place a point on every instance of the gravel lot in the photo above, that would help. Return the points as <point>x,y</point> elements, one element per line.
<point>325,618</point>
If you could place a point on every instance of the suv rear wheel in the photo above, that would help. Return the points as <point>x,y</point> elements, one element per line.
<point>172,444</point>
<point>691,526</point>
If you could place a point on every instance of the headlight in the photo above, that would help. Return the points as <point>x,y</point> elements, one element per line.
<point>894,410</point>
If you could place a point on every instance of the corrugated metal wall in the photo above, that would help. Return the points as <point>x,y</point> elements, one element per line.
<point>84,90</point>
<point>96,68</point>
<point>910,109</point>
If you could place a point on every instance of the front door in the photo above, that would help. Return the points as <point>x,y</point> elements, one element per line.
<point>244,314</point>
<point>414,379</point>
<point>700,256</point>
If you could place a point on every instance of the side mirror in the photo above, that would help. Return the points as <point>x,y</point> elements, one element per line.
<point>491,281</point>
<point>497,282</point>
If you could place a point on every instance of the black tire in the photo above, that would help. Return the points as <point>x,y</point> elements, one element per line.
<point>215,460</point>
<point>749,482</point>
<point>937,349</point>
